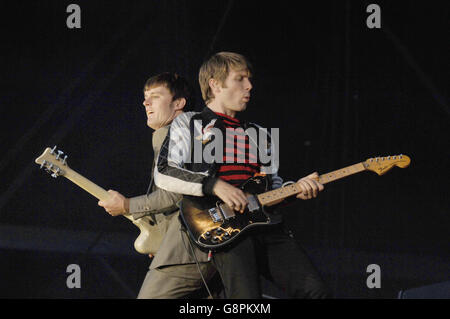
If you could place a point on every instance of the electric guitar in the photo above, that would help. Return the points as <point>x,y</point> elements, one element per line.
<point>52,161</point>
<point>212,224</point>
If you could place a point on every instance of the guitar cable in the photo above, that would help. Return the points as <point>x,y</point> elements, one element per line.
<point>196,261</point>
<point>287,183</point>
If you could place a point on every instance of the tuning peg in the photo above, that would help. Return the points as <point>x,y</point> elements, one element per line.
<point>64,160</point>
<point>43,164</point>
<point>53,150</point>
<point>59,154</point>
<point>56,173</point>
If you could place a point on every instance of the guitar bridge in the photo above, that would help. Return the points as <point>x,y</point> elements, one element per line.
<point>215,214</point>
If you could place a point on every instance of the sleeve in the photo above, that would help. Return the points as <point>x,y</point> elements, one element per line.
<point>159,201</point>
<point>170,172</point>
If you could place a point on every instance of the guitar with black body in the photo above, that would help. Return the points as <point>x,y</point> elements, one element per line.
<point>212,224</point>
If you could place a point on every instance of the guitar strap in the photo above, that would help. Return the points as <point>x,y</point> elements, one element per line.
<point>149,189</point>
<point>158,138</point>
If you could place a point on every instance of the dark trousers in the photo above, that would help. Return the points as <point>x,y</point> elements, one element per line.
<point>272,253</point>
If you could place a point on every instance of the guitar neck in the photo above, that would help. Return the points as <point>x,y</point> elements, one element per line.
<point>277,195</point>
<point>88,186</point>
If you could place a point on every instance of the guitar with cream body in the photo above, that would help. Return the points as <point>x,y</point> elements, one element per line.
<point>52,161</point>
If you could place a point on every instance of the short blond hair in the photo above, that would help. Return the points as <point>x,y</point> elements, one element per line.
<point>218,67</point>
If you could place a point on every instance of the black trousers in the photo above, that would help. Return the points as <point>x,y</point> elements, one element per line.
<point>272,253</point>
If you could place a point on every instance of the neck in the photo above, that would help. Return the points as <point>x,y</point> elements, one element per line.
<point>168,120</point>
<point>220,108</point>
<point>158,129</point>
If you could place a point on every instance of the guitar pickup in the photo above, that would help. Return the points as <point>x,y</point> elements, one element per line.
<point>215,214</point>
<point>226,211</point>
<point>253,204</point>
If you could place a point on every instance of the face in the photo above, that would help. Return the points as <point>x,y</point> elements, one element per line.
<point>159,106</point>
<point>235,93</point>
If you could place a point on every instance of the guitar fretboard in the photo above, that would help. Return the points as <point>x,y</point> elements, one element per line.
<point>277,195</point>
<point>89,186</point>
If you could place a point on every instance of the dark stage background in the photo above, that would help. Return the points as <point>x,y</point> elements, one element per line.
<point>339,92</point>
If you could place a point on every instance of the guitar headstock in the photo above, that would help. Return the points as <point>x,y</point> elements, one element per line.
<point>382,165</point>
<point>53,161</point>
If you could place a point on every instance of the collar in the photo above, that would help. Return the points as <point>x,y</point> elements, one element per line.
<point>158,137</point>
<point>209,115</point>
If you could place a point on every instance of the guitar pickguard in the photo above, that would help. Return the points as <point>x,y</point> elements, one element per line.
<point>212,224</point>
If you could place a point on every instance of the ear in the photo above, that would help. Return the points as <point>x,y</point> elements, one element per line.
<point>180,103</point>
<point>214,85</point>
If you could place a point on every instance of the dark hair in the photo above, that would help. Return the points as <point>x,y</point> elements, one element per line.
<point>178,86</point>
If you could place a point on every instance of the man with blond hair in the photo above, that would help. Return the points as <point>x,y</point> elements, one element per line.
<point>225,82</point>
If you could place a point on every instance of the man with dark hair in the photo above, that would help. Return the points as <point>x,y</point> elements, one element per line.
<point>176,270</point>
<point>271,252</point>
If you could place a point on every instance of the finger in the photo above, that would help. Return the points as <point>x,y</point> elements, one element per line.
<point>243,206</point>
<point>239,196</point>
<point>317,187</point>
<point>113,193</point>
<point>314,187</point>
<point>302,196</point>
<point>229,203</point>
<point>312,175</point>
<point>239,203</point>
<point>113,212</point>
<point>321,187</point>
<point>242,197</point>
<point>306,188</point>
<point>236,204</point>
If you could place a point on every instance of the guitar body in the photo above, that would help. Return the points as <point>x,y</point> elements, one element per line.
<point>150,236</point>
<point>212,224</point>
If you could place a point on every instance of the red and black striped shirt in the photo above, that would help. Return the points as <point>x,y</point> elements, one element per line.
<point>239,155</point>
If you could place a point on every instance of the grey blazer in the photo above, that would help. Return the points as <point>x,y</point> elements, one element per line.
<point>160,207</point>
